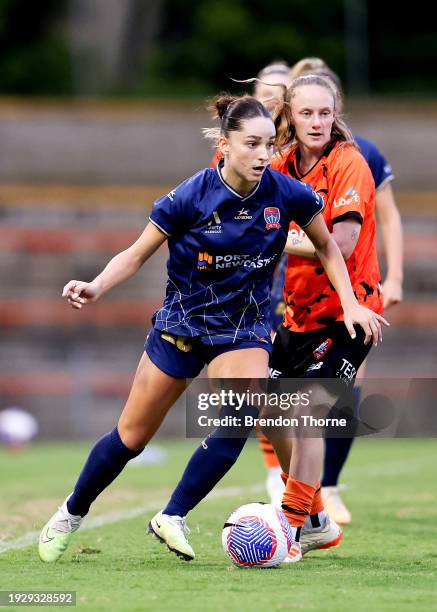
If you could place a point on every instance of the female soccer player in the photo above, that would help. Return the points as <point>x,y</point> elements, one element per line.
<point>311,342</point>
<point>213,313</point>
<point>337,449</point>
<point>314,344</point>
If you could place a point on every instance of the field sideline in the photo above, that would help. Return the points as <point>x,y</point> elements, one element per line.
<point>388,560</point>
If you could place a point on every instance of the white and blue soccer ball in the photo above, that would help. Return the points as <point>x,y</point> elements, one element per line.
<point>257,535</point>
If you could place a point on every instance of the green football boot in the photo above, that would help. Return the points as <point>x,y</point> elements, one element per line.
<point>57,533</point>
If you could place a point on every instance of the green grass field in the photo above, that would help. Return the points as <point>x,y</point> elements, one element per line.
<point>388,560</point>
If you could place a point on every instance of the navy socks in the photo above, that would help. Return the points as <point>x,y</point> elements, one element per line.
<point>337,449</point>
<point>209,463</point>
<point>105,462</point>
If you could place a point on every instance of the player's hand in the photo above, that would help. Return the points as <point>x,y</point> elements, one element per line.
<point>79,293</point>
<point>391,292</point>
<point>367,319</point>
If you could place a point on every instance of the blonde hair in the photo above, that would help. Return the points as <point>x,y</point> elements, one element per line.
<point>315,65</point>
<point>286,133</point>
<point>307,65</point>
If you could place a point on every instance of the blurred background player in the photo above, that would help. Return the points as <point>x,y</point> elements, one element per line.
<point>270,81</point>
<point>337,449</point>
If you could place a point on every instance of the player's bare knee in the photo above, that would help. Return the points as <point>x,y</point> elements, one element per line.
<point>133,437</point>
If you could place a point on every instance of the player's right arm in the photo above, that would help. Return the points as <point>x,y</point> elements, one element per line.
<point>119,269</point>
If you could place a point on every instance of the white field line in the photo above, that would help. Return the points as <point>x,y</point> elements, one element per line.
<point>31,537</point>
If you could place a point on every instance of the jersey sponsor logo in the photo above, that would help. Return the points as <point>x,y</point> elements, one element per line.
<point>214,225</point>
<point>243,215</point>
<point>272,216</point>
<point>321,350</point>
<point>205,261</point>
<point>350,197</point>
<point>222,262</point>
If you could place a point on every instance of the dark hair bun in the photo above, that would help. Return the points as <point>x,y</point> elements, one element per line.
<point>220,104</point>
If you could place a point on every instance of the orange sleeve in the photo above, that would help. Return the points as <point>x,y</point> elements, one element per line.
<point>352,186</point>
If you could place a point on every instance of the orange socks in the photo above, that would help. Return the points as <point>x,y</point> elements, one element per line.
<point>297,501</point>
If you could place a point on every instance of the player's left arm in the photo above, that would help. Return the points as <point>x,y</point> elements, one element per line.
<point>332,260</point>
<point>392,239</point>
<point>345,234</point>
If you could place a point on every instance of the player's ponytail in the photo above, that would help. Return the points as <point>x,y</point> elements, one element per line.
<point>219,105</point>
<point>231,111</point>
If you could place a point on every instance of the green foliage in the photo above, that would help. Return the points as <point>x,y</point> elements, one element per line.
<point>202,44</point>
<point>224,39</point>
<point>33,58</point>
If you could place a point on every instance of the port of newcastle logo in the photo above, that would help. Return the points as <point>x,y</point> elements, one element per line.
<point>208,262</point>
<point>271,217</point>
<point>205,261</point>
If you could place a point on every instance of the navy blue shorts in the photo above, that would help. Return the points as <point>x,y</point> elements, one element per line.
<point>183,357</point>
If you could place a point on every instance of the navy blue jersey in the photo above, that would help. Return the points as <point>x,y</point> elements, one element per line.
<point>223,250</point>
<point>379,166</point>
<point>382,174</point>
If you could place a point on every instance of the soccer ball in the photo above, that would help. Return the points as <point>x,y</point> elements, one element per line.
<point>257,535</point>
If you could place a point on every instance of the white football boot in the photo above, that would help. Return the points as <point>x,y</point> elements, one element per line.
<point>172,530</point>
<point>328,536</point>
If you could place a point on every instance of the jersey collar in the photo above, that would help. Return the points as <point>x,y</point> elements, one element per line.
<point>293,166</point>
<point>243,198</point>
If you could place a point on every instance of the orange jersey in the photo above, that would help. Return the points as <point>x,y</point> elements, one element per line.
<point>343,178</point>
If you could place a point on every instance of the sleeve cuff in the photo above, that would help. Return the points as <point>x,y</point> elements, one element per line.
<point>352,214</point>
<point>161,229</point>
<point>388,179</point>
<point>314,216</point>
